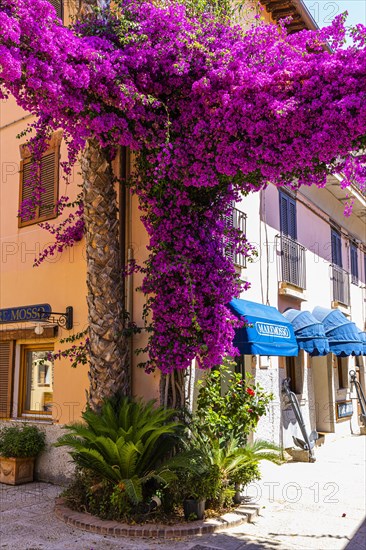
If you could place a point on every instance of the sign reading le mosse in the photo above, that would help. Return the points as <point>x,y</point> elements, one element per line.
<point>268,329</point>
<point>36,312</point>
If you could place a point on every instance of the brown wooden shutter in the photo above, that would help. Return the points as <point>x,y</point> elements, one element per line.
<point>48,197</point>
<point>6,378</point>
<point>58,4</point>
<point>26,188</point>
<point>49,183</point>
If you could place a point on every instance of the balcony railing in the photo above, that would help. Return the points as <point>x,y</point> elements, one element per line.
<point>291,261</point>
<point>238,220</point>
<point>341,290</point>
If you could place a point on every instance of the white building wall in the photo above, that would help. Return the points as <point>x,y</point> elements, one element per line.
<point>316,209</point>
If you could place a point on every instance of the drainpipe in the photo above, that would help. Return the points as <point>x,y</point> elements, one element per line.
<point>122,214</point>
<point>126,250</point>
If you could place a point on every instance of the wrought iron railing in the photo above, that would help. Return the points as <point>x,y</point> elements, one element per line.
<point>291,261</point>
<point>240,222</point>
<point>237,220</point>
<point>341,290</point>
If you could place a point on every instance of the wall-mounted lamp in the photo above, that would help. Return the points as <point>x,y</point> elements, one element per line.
<point>63,320</point>
<point>38,329</point>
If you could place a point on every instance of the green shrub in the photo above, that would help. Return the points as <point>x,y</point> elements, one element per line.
<point>20,441</point>
<point>248,473</point>
<point>211,467</point>
<point>233,413</point>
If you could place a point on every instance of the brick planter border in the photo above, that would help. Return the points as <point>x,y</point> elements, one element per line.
<point>90,523</point>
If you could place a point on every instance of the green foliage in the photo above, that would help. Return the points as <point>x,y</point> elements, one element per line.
<point>125,444</point>
<point>19,441</point>
<point>253,454</point>
<point>248,473</point>
<point>194,479</point>
<point>234,413</point>
<point>210,467</point>
<point>88,493</point>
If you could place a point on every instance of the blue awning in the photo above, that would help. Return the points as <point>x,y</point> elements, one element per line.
<point>342,334</point>
<point>309,332</point>
<point>362,336</point>
<point>269,334</point>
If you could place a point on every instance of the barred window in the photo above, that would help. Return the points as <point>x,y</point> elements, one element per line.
<point>58,5</point>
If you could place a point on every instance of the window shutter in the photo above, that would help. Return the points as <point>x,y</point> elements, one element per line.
<point>288,223</point>
<point>6,378</point>
<point>284,200</point>
<point>58,5</point>
<point>48,184</point>
<point>354,262</point>
<point>26,191</point>
<point>336,248</point>
<point>292,225</point>
<point>49,171</point>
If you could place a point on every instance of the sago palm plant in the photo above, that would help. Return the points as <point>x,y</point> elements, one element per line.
<point>125,443</point>
<point>230,457</point>
<point>223,460</point>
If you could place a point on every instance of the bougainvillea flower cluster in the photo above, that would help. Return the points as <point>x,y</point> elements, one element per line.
<point>212,111</point>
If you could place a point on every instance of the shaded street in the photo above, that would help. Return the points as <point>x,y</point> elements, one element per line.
<point>304,506</point>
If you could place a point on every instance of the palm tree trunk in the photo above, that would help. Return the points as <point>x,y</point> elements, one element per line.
<point>109,372</point>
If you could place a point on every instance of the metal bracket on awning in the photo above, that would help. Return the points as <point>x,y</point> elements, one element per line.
<point>360,395</point>
<point>309,440</point>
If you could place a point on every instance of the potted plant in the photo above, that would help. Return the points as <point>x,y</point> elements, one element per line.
<point>197,480</point>
<point>19,446</point>
<point>191,491</point>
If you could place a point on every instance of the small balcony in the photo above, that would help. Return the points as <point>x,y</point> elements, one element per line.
<point>341,286</point>
<point>290,261</point>
<point>238,220</point>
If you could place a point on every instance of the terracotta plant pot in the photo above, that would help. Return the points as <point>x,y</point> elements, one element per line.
<point>194,509</point>
<point>14,471</point>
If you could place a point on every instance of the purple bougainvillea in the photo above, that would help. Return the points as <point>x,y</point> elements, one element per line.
<point>212,111</point>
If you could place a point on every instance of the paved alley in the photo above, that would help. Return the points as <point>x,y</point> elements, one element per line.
<point>304,506</point>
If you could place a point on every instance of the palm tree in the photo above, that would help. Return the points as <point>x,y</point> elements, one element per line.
<point>109,371</point>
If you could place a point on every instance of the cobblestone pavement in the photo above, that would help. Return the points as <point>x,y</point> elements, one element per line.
<point>305,506</point>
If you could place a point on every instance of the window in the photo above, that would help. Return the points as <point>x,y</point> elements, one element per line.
<point>6,378</point>
<point>354,263</point>
<point>340,278</point>
<point>288,221</point>
<point>294,371</point>
<point>49,178</point>
<point>342,373</point>
<point>58,5</point>
<point>336,248</point>
<point>36,389</point>
<point>292,268</point>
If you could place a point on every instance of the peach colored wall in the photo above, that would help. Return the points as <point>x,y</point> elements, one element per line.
<point>144,385</point>
<point>59,281</point>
